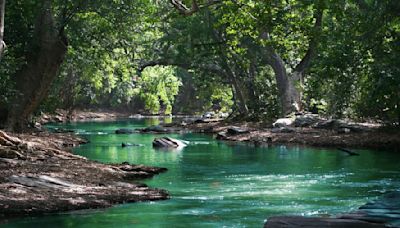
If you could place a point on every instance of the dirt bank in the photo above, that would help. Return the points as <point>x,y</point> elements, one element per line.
<point>38,175</point>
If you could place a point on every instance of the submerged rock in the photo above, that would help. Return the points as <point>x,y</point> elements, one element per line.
<point>129,144</point>
<point>124,131</point>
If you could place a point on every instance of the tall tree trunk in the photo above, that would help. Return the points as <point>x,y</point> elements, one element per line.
<point>2,12</point>
<point>289,95</point>
<point>34,79</point>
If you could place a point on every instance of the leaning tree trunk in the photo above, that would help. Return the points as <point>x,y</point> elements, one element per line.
<point>2,11</point>
<point>34,79</point>
<point>289,95</point>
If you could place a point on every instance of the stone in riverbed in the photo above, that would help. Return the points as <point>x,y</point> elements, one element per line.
<point>167,142</point>
<point>129,144</point>
<point>124,131</point>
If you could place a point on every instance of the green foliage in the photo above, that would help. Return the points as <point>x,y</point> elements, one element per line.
<point>158,87</point>
<point>222,49</point>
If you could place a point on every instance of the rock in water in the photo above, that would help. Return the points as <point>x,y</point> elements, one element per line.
<point>221,136</point>
<point>167,142</point>
<point>129,144</point>
<point>155,128</point>
<point>283,122</point>
<point>124,131</point>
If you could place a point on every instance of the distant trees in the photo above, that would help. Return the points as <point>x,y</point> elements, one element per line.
<point>256,59</point>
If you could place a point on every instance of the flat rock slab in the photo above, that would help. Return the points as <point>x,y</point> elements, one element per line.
<point>45,179</point>
<point>299,221</point>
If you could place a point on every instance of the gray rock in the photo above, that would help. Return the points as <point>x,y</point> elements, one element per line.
<point>129,144</point>
<point>155,128</point>
<point>237,131</point>
<point>283,122</point>
<point>221,136</point>
<point>328,124</point>
<point>283,130</point>
<point>124,131</point>
<point>306,120</point>
<point>208,115</point>
<point>343,130</point>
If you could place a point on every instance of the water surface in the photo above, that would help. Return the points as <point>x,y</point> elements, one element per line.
<point>213,184</point>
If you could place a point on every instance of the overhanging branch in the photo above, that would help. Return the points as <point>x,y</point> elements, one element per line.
<point>311,51</point>
<point>195,7</point>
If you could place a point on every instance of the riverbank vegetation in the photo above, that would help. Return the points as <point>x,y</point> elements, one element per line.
<point>258,60</point>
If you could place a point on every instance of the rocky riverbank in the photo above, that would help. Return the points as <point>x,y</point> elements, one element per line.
<point>39,175</point>
<point>383,212</point>
<point>324,133</point>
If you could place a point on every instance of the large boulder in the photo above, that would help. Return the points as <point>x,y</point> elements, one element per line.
<point>283,122</point>
<point>167,142</point>
<point>236,131</point>
<point>306,120</point>
<point>329,124</point>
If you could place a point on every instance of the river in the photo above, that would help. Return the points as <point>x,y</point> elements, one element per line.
<point>215,184</point>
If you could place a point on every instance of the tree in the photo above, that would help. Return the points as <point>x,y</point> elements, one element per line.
<point>2,12</point>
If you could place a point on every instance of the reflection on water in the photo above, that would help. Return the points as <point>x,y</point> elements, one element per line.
<point>213,184</point>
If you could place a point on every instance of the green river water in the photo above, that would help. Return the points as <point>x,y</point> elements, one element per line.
<point>214,184</point>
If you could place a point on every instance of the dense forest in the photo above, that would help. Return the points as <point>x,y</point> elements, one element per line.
<point>256,60</point>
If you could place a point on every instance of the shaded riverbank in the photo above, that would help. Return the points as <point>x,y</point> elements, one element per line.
<point>369,138</point>
<point>39,175</point>
<point>383,212</point>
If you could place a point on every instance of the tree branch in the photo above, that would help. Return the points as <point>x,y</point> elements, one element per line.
<point>186,11</point>
<point>311,51</point>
